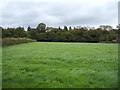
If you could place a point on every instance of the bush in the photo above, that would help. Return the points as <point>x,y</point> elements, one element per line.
<point>13,41</point>
<point>114,41</point>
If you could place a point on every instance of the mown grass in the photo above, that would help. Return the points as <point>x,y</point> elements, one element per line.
<point>60,65</point>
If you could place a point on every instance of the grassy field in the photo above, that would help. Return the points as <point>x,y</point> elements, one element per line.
<point>60,65</point>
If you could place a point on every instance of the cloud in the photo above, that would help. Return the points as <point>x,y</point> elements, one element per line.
<point>59,13</point>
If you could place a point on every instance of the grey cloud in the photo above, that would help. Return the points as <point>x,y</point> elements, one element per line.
<point>59,14</point>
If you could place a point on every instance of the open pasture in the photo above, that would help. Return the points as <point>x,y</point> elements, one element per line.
<point>60,65</point>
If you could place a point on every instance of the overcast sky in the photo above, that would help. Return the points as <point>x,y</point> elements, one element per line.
<point>57,13</point>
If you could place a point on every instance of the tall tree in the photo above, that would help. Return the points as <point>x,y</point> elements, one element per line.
<point>70,28</point>
<point>59,28</point>
<point>65,28</point>
<point>29,28</point>
<point>41,27</point>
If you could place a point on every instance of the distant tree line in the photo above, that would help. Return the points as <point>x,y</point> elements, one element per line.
<point>67,34</point>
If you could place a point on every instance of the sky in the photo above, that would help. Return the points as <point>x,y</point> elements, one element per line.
<point>119,12</point>
<point>55,13</point>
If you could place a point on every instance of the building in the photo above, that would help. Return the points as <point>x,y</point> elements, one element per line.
<point>118,26</point>
<point>106,27</point>
<point>79,27</point>
<point>93,28</point>
<point>48,29</point>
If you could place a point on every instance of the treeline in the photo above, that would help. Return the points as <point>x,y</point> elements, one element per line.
<point>67,34</point>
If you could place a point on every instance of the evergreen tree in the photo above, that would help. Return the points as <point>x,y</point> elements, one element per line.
<point>70,28</point>
<point>28,29</point>
<point>65,28</point>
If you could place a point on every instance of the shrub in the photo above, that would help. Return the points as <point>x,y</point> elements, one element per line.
<point>13,41</point>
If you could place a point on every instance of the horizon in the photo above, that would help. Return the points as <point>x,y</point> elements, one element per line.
<point>58,26</point>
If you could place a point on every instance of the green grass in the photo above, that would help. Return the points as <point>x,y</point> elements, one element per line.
<point>60,65</point>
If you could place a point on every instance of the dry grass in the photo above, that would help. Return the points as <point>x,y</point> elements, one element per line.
<point>13,41</point>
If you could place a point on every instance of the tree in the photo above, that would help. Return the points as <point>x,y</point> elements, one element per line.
<point>9,32</point>
<point>113,34</point>
<point>41,37</point>
<point>65,28</point>
<point>74,28</point>
<point>41,33</point>
<point>33,34</point>
<point>70,28</point>
<point>93,36</point>
<point>55,30</point>
<point>59,28</point>
<point>28,29</point>
<point>41,28</point>
<point>20,32</point>
<point>1,30</point>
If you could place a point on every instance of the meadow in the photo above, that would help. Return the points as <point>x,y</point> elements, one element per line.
<point>60,65</point>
